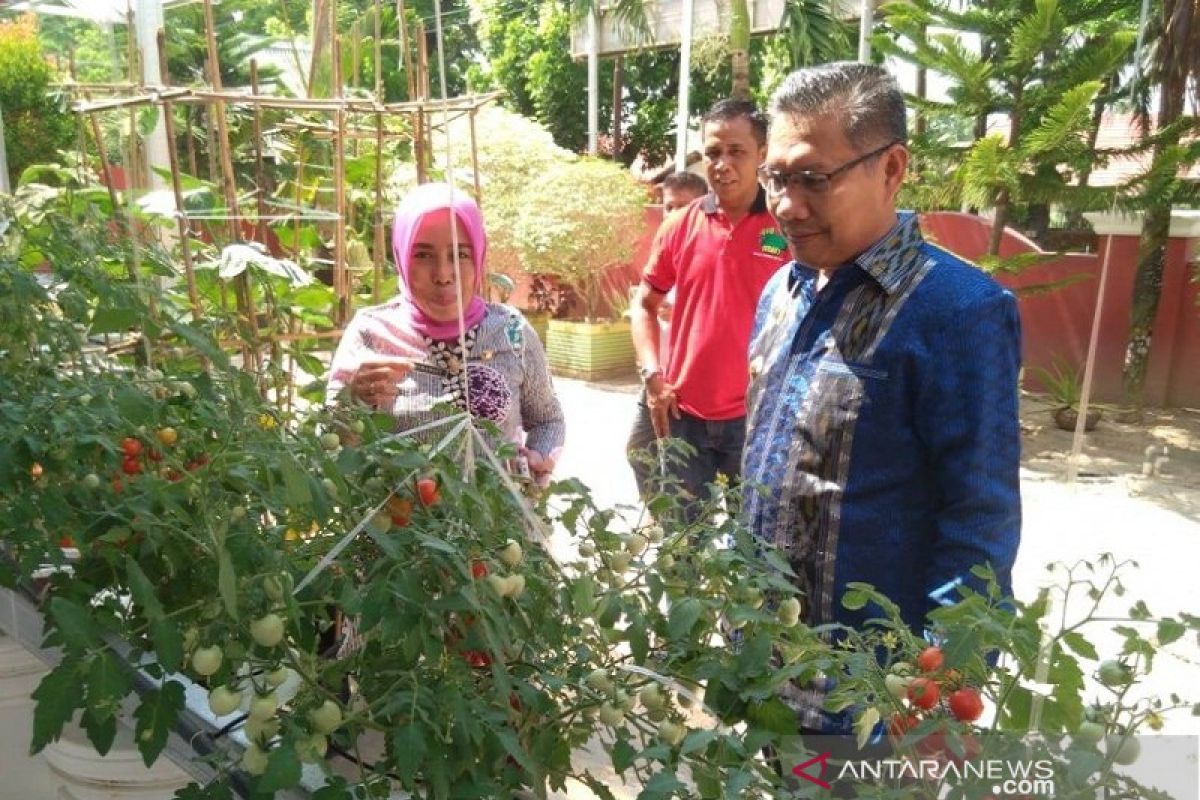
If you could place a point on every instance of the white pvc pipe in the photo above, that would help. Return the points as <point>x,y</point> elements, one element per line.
<point>685,85</point>
<point>148,19</point>
<point>865,24</point>
<point>593,80</point>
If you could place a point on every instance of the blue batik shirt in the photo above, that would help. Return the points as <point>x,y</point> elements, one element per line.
<point>882,439</point>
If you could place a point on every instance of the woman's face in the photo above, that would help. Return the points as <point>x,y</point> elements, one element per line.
<point>431,271</point>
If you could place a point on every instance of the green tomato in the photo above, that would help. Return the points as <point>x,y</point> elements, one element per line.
<point>311,749</point>
<point>636,544</point>
<point>789,612</point>
<point>263,707</point>
<point>599,681</point>
<point>654,534</point>
<point>358,426</point>
<point>277,586</point>
<point>91,481</point>
<point>331,441</point>
<point>902,668</point>
<point>587,549</point>
<point>276,677</point>
<point>258,730</point>
<point>326,718</point>
<point>619,562</point>
<point>666,561</point>
<point>516,585</point>
<point>1089,733</point>
<point>207,660</point>
<point>1114,673</point>
<point>223,700</point>
<point>671,733</point>
<point>254,759</point>
<point>624,701</point>
<point>897,685</point>
<point>611,715</point>
<point>237,513</point>
<point>652,697</point>
<point>380,522</point>
<point>1124,749</point>
<point>512,553</point>
<point>268,630</point>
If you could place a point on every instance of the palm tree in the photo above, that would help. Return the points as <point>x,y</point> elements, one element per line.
<point>1176,66</point>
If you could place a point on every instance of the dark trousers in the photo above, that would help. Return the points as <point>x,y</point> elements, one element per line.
<point>718,449</point>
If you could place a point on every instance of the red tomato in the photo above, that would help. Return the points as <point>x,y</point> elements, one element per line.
<point>131,466</point>
<point>401,511</point>
<point>427,491</point>
<point>117,486</point>
<point>479,569</point>
<point>35,470</point>
<point>154,455</point>
<point>131,447</point>
<point>478,659</point>
<point>923,693</point>
<point>966,705</point>
<point>66,541</point>
<point>930,659</point>
<point>901,724</point>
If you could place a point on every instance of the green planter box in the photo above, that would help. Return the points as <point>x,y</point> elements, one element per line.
<point>590,350</point>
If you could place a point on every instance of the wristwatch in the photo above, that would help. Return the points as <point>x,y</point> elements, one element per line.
<point>649,372</point>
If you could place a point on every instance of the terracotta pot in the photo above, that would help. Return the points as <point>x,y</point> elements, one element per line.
<point>1067,417</point>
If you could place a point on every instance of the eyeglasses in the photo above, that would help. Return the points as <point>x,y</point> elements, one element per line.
<point>776,182</point>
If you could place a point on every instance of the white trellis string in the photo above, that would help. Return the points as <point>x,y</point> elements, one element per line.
<point>345,541</point>
<point>469,457</point>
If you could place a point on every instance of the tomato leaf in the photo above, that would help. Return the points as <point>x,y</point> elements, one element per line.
<point>295,482</point>
<point>143,590</point>
<point>697,740</point>
<point>57,696</point>
<point>168,644</point>
<point>101,728</point>
<point>961,647</point>
<point>623,755</point>
<point>283,770</point>
<point>683,617</point>
<point>227,580</point>
<point>661,785</point>
<point>772,715</point>
<point>73,623</point>
<point>107,685</point>
<point>1169,631</point>
<point>1080,645</point>
<point>156,717</point>
<point>408,744</point>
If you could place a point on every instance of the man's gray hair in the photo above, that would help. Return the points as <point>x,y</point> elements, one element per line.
<point>866,98</point>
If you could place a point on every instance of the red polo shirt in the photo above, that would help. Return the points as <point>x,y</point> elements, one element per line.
<point>718,270</point>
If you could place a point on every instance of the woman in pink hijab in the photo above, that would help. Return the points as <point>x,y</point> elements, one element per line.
<point>440,342</point>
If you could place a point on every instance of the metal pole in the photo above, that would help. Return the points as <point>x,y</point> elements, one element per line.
<point>4,187</point>
<point>593,80</point>
<point>865,24</point>
<point>685,68</point>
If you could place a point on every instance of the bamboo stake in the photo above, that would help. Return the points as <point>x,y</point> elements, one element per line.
<point>191,144</point>
<point>341,281</point>
<point>474,159</point>
<point>378,254</point>
<point>260,174</point>
<point>405,56</point>
<point>185,248</point>
<point>422,62</point>
<point>241,283</point>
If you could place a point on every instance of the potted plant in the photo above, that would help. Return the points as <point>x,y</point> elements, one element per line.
<point>1063,385</point>
<point>579,223</point>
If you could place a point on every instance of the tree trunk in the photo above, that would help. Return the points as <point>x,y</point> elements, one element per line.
<point>739,49</point>
<point>618,91</point>
<point>998,222</point>
<point>1152,249</point>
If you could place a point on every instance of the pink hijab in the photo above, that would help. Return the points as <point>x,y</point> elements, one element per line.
<point>423,200</point>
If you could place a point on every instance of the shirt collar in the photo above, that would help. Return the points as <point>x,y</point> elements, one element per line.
<point>894,256</point>
<point>888,261</point>
<point>709,203</point>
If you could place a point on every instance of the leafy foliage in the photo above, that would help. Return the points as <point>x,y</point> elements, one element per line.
<point>36,121</point>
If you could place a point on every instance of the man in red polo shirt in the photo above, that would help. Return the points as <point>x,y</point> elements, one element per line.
<point>717,254</point>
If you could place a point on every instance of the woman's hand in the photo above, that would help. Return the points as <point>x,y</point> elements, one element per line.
<point>540,466</point>
<point>376,381</point>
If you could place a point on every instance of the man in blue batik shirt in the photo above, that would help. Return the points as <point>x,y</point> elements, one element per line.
<point>882,439</point>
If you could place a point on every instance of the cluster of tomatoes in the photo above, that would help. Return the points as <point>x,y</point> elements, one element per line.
<point>136,458</point>
<point>926,691</point>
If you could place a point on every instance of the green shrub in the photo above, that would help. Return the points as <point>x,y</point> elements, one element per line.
<point>36,125</point>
